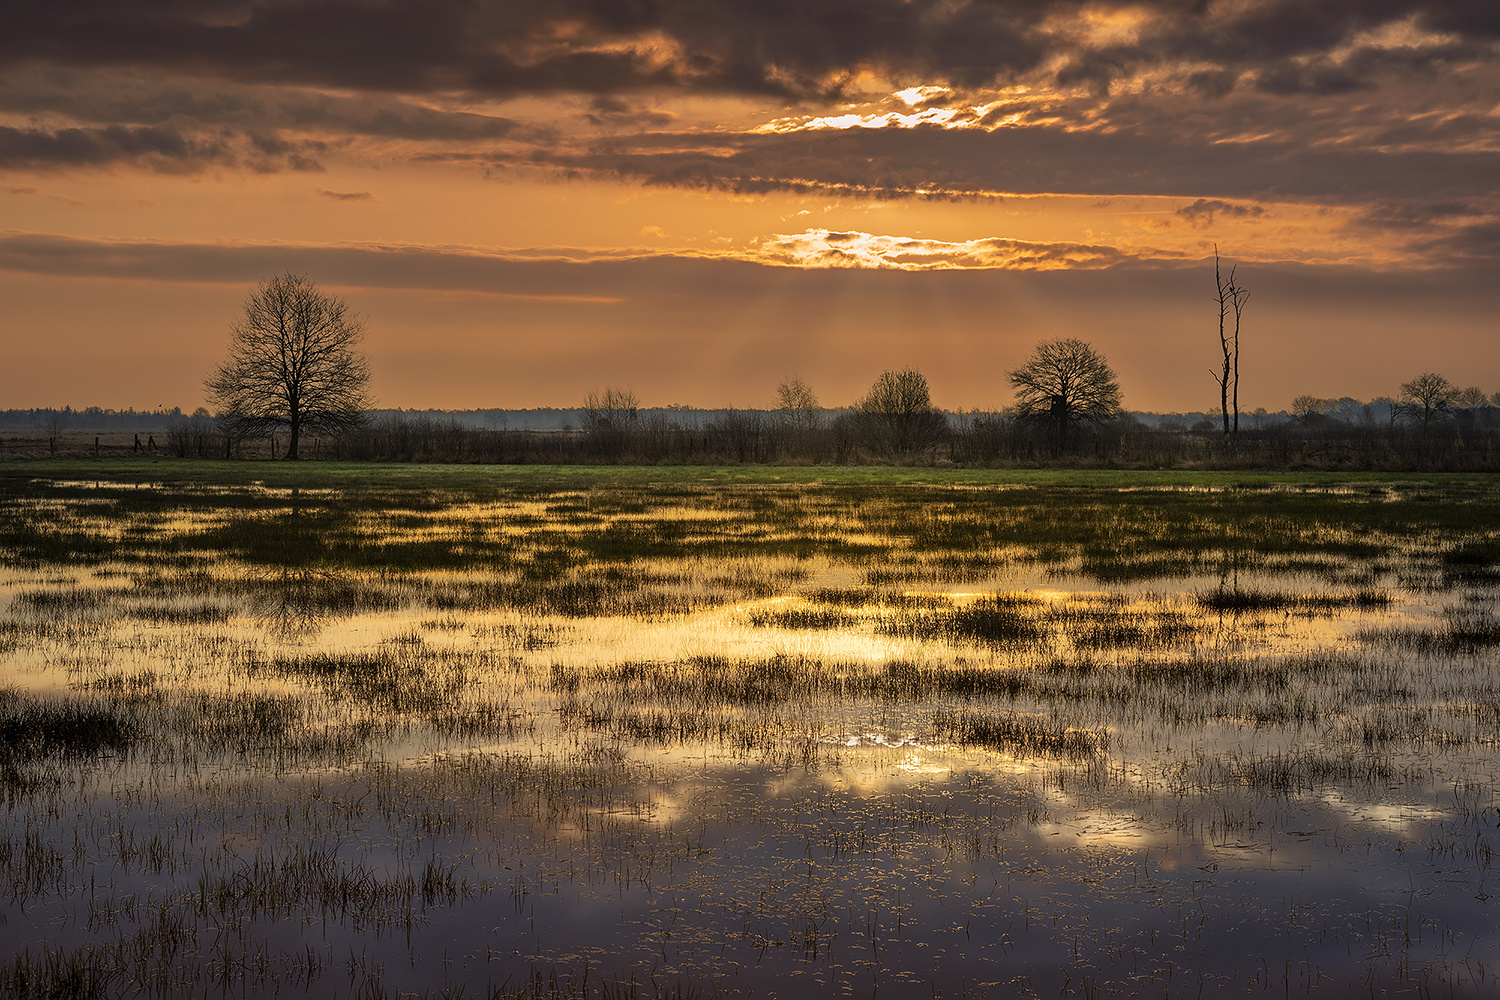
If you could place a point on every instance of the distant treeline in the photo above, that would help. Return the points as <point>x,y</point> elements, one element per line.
<point>95,419</point>
<point>1326,434</point>
<point>1463,440</point>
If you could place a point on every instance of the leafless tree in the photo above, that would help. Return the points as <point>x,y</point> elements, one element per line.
<point>1065,382</point>
<point>796,405</point>
<point>612,409</point>
<point>1426,399</point>
<point>1472,398</point>
<point>52,422</point>
<point>1307,407</point>
<point>610,416</point>
<point>294,362</point>
<point>898,409</point>
<point>1232,297</point>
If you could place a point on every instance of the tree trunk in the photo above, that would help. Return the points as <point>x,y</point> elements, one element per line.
<point>1224,290</point>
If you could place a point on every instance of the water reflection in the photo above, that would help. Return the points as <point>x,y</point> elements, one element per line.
<point>293,604</point>
<point>747,741</point>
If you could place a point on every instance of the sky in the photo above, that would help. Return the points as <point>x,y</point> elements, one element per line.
<point>697,199</point>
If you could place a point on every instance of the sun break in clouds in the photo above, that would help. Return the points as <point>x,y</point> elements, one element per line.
<point>483,177</point>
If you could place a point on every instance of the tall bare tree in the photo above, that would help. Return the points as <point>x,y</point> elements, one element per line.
<point>294,362</point>
<point>1232,297</point>
<point>1065,382</point>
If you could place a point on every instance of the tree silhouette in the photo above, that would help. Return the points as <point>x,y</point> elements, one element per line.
<point>293,362</point>
<point>1232,297</point>
<point>796,404</point>
<point>1425,399</point>
<point>898,408</point>
<point>1065,382</point>
<point>1473,397</point>
<point>610,416</point>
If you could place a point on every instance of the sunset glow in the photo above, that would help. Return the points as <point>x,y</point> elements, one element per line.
<point>528,203</point>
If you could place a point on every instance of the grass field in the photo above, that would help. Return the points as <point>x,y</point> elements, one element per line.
<point>358,730</point>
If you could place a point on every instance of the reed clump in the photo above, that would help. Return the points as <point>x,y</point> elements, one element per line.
<point>1019,734</point>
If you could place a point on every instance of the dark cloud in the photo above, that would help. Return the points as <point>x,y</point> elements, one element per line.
<point>159,148</point>
<point>1444,233</point>
<point>1297,46</point>
<point>804,48</point>
<point>900,162</point>
<point>165,149</point>
<point>1417,214</point>
<point>1317,78</point>
<point>1202,211</point>
<point>346,195</point>
<point>135,98</point>
<point>1339,100</point>
<point>1478,241</point>
<point>405,267</point>
<point>615,112</point>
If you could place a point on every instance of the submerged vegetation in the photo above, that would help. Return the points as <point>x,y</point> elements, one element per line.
<point>388,732</point>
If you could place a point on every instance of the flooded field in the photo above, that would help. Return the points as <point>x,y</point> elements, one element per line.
<point>579,733</point>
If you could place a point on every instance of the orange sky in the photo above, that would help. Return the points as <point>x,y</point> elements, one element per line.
<point>697,200</point>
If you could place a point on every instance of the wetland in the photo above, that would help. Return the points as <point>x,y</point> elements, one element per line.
<point>368,732</point>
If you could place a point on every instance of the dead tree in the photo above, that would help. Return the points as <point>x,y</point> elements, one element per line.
<point>1232,297</point>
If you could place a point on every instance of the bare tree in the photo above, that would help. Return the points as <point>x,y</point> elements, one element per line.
<point>898,408</point>
<point>294,362</point>
<point>609,416</point>
<point>1426,399</point>
<point>1066,382</point>
<point>1307,408</point>
<point>52,422</point>
<point>1232,297</point>
<point>796,405</point>
<point>611,409</point>
<point>1472,398</point>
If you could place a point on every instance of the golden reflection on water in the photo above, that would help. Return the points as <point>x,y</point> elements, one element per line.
<point>561,716</point>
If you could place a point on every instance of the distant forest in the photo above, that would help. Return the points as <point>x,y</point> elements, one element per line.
<point>95,419</point>
<point>1325,434</point>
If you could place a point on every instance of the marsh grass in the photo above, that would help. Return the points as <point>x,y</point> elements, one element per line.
<point>998,620</point>
<point>1022,735</point>
<point>757,719</point>
<point>1012,620</point>
<point>398,679</point>
<point>1252,601</point>
<point>1285,773</point>
<point>1464,632</point>
<point>33,729</point>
